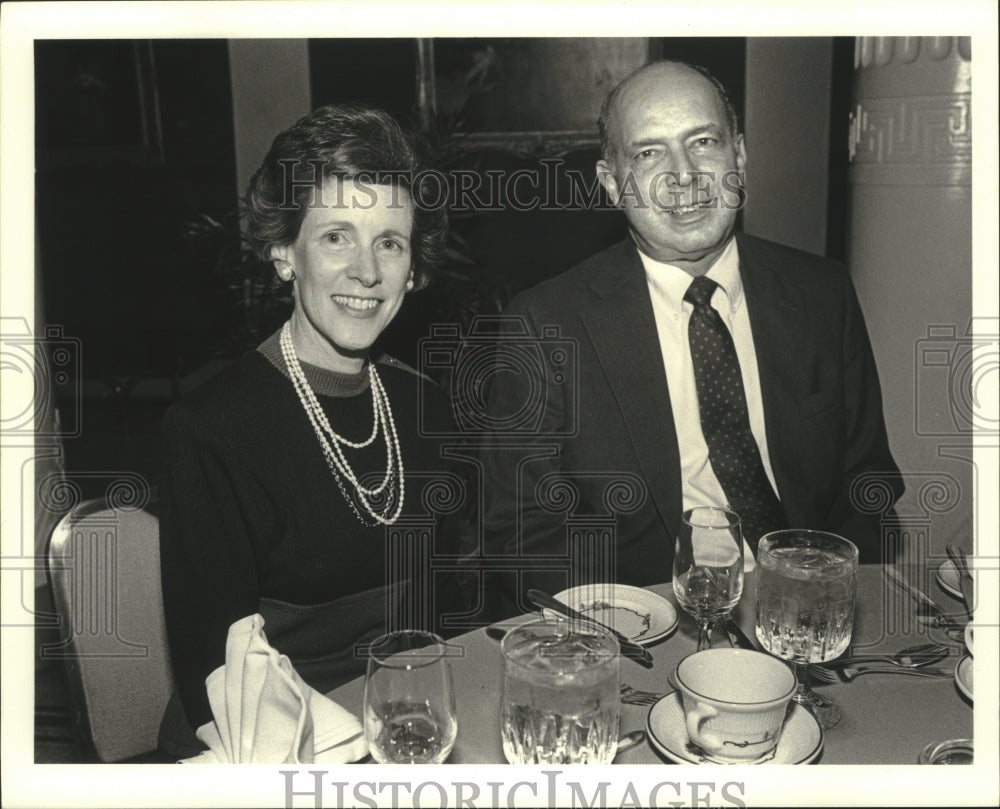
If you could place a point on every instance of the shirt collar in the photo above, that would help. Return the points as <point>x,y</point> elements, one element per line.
<point>672,282</point>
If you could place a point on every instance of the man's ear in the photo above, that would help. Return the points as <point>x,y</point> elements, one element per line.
<point>741,153</point>
<point>606,177</point>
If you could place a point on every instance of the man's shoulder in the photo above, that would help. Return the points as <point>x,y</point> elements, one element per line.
<point>566,289</point>
<point>781,257</point>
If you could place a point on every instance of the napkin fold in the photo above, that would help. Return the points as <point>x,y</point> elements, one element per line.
<point>265,713</point>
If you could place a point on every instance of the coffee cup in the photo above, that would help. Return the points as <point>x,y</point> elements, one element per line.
<point>735,702</point>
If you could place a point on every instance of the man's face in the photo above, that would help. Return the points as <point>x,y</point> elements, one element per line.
<point>673,167</point>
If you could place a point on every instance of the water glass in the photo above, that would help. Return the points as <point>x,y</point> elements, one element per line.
<point>409,703</point>
<point>560,693</point>
<point>952,751</point>
<point>806,587</point>
<point>708,566</point>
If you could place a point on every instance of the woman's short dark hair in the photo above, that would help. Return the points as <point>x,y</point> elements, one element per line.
<point>343,141</point>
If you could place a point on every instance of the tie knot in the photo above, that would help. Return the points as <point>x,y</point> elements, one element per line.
<point>701,290</point>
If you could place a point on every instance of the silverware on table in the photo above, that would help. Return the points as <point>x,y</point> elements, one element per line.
<point>630,740</point>
<point>849,674</point>
<point>927,608</point>
<point>912,657</point>
<point>737,637</point>
<point>633,696</point>
<point>965,582</point>
<point>629,648</point>
<point>496,633</point>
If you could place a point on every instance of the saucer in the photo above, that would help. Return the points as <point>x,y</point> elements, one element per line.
<point>640,615</point>
<point>801,737</point>
<point>948,579</point>
<point>963,676</point>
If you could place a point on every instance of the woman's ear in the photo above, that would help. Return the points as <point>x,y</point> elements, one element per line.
<point>280,256</point>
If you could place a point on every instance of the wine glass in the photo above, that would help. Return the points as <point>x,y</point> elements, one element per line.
<point>806,586</point>
<point>708,566</point>
<point>409,704</point>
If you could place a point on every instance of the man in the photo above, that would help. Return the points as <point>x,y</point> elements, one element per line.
<point>642,400</point>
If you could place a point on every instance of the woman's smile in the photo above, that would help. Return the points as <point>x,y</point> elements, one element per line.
<point>357,307</point>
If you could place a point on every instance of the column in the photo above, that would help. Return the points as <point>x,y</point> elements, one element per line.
<point>909,250</point>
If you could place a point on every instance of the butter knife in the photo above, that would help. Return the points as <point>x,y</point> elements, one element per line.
<point>629,648</point>
<point>965,583</point>
<point>930,607</point>
<point>737,637</point>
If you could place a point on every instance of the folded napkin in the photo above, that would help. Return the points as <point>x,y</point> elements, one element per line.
<point>265,713</point>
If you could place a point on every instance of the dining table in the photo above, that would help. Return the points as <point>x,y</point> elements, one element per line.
<point>885,718</point>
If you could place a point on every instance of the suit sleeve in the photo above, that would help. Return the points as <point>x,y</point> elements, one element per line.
<point>870,473</point>
<point>527,414</point>
<point>208,560</point>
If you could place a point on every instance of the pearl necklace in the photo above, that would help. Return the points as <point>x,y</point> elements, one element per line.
<point>333,453</point>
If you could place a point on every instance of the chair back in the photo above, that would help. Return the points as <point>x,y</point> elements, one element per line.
<point>104,567</point>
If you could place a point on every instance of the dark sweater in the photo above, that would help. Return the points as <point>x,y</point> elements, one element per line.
<point>253,521</point>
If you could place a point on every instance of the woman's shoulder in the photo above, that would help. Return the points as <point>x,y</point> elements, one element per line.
<point>420,389</point>
<point>243,384</point>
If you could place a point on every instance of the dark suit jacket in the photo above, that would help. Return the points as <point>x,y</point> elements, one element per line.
<point>598,466</point>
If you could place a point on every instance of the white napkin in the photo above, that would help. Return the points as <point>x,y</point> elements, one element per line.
<point>265,713</point>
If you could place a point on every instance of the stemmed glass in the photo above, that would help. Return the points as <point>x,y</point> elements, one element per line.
<point>806,586</point>
<point>708,566</point>
<point>409,703</point>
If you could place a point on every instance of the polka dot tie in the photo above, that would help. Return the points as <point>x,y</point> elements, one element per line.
<point>725,422</point>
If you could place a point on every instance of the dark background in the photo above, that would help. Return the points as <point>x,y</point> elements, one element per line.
<point>135,149</point>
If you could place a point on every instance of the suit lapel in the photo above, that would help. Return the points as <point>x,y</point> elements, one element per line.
<point>622,329</point>
<point>776,312</point>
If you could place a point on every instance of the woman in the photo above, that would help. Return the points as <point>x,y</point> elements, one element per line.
<point>283,472</point>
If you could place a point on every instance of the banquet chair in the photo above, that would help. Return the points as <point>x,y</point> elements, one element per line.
<point>104,567</point>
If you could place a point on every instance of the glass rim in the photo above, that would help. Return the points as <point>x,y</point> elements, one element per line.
<point>933,750</point>
<point>557,621</point>
<point>733,519</point>
<point>385,649</point>
<point>771,538</point>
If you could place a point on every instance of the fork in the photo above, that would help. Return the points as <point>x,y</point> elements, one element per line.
<point>633,696</point>
<point>848,674</point>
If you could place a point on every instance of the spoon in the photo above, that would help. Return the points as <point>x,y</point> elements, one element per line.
<point>630,740</point>
<point>911,657</point>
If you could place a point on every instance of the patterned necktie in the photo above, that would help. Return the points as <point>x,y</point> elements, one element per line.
<point>725,422</point>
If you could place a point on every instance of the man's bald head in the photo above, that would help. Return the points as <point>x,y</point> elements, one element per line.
<point>655,71</point>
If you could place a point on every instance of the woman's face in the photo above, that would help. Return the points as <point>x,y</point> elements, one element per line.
<point>351,267</point>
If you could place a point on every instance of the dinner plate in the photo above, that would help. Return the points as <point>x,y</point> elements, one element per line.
<point>800,742</point>
<point>640,615</point>
<point>948,579</point>
<point>963,676</point>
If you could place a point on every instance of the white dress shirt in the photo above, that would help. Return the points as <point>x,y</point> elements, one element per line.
<point>667,285</point>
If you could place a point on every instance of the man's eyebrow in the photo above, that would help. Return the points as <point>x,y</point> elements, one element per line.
<point>702,129</point>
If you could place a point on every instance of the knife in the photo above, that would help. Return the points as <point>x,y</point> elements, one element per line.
<point>919,596</point>
<point>630,649</point>
<point>737,637</point>
<point>965,582</point>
